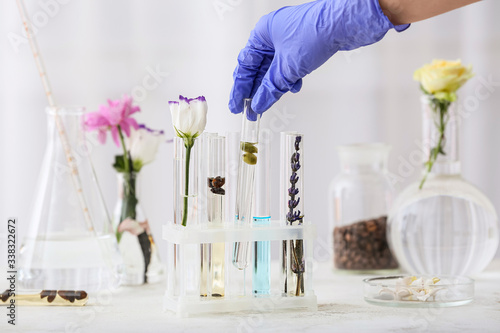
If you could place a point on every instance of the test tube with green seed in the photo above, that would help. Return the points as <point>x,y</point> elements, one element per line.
<point>246,180</point>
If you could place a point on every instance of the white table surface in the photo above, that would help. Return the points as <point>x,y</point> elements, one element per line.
<point>341,308</point>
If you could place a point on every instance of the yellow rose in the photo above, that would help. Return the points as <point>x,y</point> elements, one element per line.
<point>442,78</point>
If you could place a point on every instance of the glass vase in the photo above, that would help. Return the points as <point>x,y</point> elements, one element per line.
<point>70,243</point>
<point>186,213</point>
<point>359,201</point>
<point>448,226</point>
<point>139,251</point>
<point>292,254</point>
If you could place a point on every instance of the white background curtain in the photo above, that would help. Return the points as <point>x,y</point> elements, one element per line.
<point>96,50</point>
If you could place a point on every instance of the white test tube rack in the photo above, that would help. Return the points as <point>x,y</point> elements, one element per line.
<point>184,276</point>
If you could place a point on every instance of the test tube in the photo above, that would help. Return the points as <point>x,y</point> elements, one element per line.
<point>246,179</point>
<point>292,212</point>
<point>216,198</point>
<point>261,272</point>
<point>205,255</point>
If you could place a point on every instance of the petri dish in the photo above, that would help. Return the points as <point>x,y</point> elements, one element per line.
<point>418,291</point>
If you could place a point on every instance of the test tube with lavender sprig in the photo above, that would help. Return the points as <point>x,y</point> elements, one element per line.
<point>292,212</point>
<point>246,180</point>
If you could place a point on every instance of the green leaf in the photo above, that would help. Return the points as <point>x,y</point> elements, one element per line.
<point>136,165</point>
<point>119,164</point>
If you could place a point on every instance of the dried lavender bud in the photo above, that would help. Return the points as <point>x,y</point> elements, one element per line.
<point>293,203</point>
<point>297,143</point>
<point>293,191</point>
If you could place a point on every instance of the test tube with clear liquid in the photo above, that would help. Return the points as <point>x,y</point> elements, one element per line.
<point>246,180</point>
<point>216,198</point>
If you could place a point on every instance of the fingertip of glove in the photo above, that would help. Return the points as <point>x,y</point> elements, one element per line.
<point>296,86</point>
<point>262,101</point>
<point>251,115</point>
<point>233,107</point>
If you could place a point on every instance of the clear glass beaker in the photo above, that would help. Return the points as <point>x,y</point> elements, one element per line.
<point>70,243</point>
<point>360,199</point>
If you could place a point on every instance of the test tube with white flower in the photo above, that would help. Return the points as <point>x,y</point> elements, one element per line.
<point>189,117</point>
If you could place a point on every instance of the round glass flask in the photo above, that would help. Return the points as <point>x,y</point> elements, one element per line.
<point>447,226</point>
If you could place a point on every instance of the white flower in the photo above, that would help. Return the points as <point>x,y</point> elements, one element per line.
<point>189,116</point>
<point>143,144</point>
<point>411,288</point>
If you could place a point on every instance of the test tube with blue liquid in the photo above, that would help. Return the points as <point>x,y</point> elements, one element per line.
<point>261,263</point>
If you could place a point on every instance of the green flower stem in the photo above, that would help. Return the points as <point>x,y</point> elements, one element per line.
<point>125,153</point>
<point>440,106</point>
<point>130,201</point>
<point>188,143</point>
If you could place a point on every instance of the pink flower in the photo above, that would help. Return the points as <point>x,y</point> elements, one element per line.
<point>109,117</point>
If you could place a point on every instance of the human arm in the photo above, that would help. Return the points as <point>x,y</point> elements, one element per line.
<point>410,11</point>
<point>291,42</point>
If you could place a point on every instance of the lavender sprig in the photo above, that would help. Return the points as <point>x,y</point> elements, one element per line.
<point>293,216</point>
<point>297,249</point>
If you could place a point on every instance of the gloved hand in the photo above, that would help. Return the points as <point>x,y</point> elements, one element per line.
<point>291,42</point>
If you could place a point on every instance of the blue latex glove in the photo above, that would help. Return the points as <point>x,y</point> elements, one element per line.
<point>291,42</point>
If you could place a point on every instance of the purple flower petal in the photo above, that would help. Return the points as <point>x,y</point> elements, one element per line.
<point>150,130</point>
